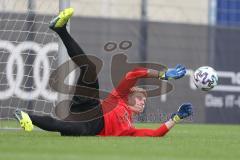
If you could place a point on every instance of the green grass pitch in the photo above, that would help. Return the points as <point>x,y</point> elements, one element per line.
<point>184,142</point>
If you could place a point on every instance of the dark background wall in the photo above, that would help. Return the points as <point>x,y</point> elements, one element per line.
<point>168,44</point>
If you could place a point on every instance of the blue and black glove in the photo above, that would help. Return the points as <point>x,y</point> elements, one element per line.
<point>178,72</point>
<point>184,111</point>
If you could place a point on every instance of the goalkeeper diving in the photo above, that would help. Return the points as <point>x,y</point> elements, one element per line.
<point>129,99</point>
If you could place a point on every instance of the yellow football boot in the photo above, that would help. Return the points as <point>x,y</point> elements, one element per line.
<point>61,19</point>
<point>24,120</point>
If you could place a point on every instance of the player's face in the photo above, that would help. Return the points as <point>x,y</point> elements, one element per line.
<point>137,102</point>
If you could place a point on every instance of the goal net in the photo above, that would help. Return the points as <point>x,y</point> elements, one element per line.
<point>28,55</point>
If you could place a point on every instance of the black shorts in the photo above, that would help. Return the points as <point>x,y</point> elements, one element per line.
<point>87,123</point>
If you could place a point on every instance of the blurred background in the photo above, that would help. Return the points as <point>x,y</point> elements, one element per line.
<point>169,32</point>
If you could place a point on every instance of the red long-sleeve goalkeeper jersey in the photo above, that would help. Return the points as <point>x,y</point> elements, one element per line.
<point>117,115</point>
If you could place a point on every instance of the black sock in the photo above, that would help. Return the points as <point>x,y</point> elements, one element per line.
<point>45,122</point>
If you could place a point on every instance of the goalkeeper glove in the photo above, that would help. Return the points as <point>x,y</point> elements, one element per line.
<point>184,111</point>
<point>178,72</point>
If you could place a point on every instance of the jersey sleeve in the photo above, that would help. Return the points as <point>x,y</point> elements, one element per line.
<point>159,132</point>
<point>129,81</point>
<point>123,89</point>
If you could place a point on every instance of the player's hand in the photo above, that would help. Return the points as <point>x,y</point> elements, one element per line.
<point>178,72</point>
<point>184,111</point>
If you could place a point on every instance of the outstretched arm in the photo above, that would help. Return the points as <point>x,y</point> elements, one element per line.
<point>159,132</point>
<point>132,76</point>
<point>185,110</point>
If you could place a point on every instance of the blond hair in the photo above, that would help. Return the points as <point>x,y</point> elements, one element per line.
<point>136,89</point>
